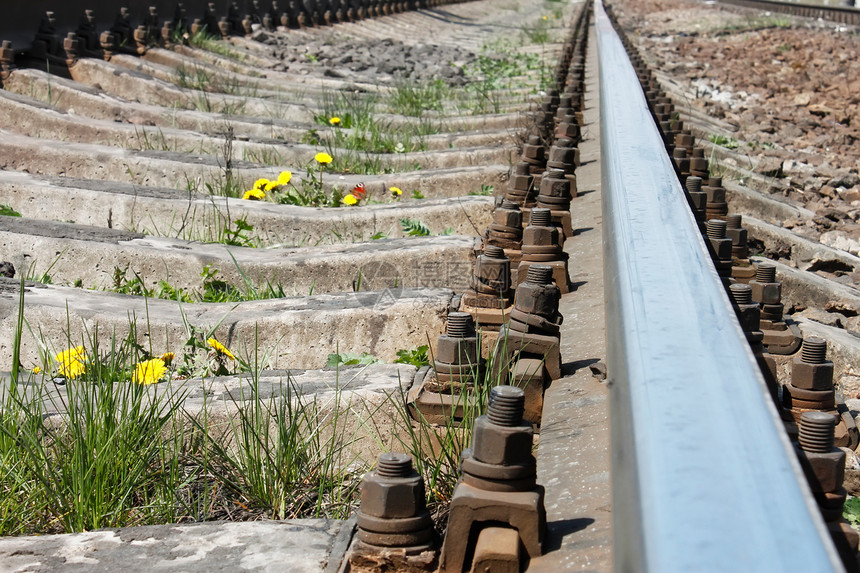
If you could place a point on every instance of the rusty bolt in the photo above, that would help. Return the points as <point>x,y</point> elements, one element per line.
<point>765,288</point>
<point>501,437</point>
<point>521,179</point>
<point>533,151</point>
<point>394,490</point>
<point>811,370</point>
<point>822,462</point>
<point>537,294</point>
<point>540,230</point>
<point>721,245</point>
<point>493,269</point>
<point>508,215</point>
<point>458,345</point>
<point>749,313</point>
<point>555,184</point>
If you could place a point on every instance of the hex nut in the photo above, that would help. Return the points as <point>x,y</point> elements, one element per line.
<point>508,218</point>
<point>722,249</point>
<point>715,194</point>
<point>452,350</point>
<point>540,235</point>
<point>749,317</point>
<point>766,293</point>
<point>738,236</point>
<point>501,445</point>
<point>811,376</point>
<point>699,200</point>
<point>392,497</point>
<point>824,471</point>
<point>551,187</point>
<point>538,299</point>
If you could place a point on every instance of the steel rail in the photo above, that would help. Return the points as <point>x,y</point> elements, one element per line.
<point>841,14</point>
<point>703,475</point>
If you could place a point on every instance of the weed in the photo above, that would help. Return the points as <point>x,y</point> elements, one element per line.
<point>416,194</point>
<point>350,359</point>
<point>415,98</point>
<point>414,228</point>
<point>8,211</point>
<point>416,356</point>
<point>485,190</point>
<point>851,511</point>
<point>724,141</point>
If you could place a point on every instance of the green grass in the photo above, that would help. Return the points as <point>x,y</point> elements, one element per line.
<point>724,141</point>
<point>123,454</point>
<point>8,211</point>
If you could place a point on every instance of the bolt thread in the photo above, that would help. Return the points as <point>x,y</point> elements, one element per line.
<point>563,142</point>
<point>741,293</point>
<point>510,205</point>
<point>534,140</point>
<point>698,152</point>
<point>816,431</point>
<point>494,252</point>
<point>715,182</point>
<point>459,324</point>
<point>716,229</point>
<point>540,217</point>
<point>507,404</point>
<point>694,184</point>
<point>554,174</point>
<point>394,465</point>
<point>539,274</point>
<point>733,221</point>
<point>765,273</point>
<point>814,350</point>
<point>521,168</point>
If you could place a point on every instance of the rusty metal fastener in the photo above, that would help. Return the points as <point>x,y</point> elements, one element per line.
<point>811,370</point>
<point>822,462</point>
<point>393,513</point>
<point>766,290</point>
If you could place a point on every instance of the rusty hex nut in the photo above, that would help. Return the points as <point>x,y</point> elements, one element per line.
<point>391,497</point>
<point>766,293</point>
<point>452,350</point>
<point>811,376</point>
<point>501,445</point>
<point>824,471</point>
<point>554,184</point>
<point>508,218</point>
<point>722,249</point>
<point>540,235</point>
<point>537,299</point>
<point>748,316</point>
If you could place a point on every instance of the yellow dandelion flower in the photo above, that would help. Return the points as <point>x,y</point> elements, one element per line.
<point>284,177</point>
<point>260,184</point>
<point>254,195</point>
<point>168,357</point>
<point>350,199</point>
<point>220,348</point>
<point>334,121</point>
<point>71,362</point>
<point>149,371</point>
<point>271,185</point>
<point>544,17</point>
<point>323,158</point>
<point>396,191</point>
<point>37,370</point>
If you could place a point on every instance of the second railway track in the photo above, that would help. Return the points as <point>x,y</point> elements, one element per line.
<point>374,213</point>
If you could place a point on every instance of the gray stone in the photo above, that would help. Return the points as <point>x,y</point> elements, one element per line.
<point>292,545</point>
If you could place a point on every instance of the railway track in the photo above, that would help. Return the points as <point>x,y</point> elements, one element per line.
<point>844,14</point>
<point>371,178</point>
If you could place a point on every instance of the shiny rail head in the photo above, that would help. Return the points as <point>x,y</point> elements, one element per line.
<point>704,478</point>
